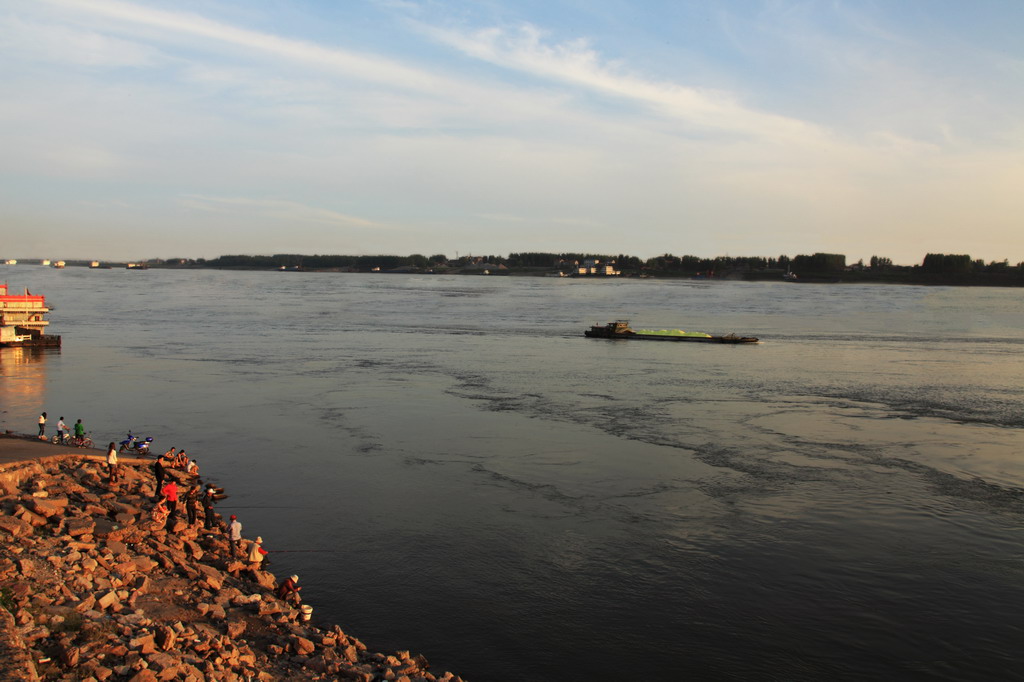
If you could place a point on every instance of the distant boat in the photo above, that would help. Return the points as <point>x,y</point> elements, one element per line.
<point>58,264</point>
<point>136,266</point>
<point>791,277</point>
<point>620,330</point>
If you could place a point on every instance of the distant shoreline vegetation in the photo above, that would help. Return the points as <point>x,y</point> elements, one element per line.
<point>936,268</point>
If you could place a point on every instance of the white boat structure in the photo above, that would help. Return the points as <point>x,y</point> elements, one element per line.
<point>21,320</point>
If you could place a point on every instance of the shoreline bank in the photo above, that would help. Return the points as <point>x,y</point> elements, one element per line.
<point>92,588</point>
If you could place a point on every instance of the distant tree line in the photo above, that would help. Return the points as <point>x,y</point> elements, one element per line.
<point>935,268</point>
<point>290,260</point>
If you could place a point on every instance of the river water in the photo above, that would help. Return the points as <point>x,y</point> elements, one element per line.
<point>451,468</point>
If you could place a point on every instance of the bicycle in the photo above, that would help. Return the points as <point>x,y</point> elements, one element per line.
<point>82,442</point>
<point>61,439</point>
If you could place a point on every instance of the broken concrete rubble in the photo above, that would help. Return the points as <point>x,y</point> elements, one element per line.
<point>97,591</point>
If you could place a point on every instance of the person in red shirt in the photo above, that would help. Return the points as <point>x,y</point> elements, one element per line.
<point>289,589</point>
<point>170,492</point>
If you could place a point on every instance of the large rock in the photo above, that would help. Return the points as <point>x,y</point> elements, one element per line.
<point>48,507</point>
<point>264,579</point>
<point>302,646</point>
<point>168,665</point>
<point>117,547</point>
<point>104,527</point>
<point>32,518</point>
<point>123,508</point>
<point>144,644</point>
<point>15,527</point>
<point>69,655</point>
<point>194,550</point>
<point>108,601</point>
<point>79,526</point>
<point>212,577</point>
<point>166,637</point>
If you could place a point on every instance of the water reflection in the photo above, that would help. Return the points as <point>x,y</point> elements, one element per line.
<point>23,387</point>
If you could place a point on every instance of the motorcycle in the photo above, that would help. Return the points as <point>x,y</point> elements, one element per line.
<point>135,444</point>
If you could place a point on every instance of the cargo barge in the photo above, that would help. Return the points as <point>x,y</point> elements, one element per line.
<point>21,320</point>
<point>620,330</point>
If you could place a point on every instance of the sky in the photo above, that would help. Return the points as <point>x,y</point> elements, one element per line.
<point>134,130</point>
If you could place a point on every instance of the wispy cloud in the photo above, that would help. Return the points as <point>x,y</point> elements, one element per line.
<point>67,45</point>
<point>276,209</point>
<point>363,66</point>
<point>547,220</point>
<point>576,63</point>
<point>476,124</point>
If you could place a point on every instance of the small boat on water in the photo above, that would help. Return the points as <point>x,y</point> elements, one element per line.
<point>620,330</point>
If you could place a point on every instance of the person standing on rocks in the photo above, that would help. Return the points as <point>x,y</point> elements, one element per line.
<point>158,471</point>
<point>235,535</point>
<point>192,504</point>
<point>42,425</point>
<point>112,465</point>
<point>209,516</point>
<point>170,492</point>
<point>256,554</point>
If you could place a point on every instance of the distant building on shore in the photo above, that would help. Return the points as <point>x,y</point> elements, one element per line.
<point>594,267</point>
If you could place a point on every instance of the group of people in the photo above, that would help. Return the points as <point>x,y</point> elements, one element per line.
<point>256,555</point>
<point>181,461</point>
<point>168,495</point>
<point>253,552</point>
<point>194,497</point>
<point>63,431</point>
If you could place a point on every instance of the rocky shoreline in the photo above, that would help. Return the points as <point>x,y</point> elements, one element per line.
<point>92,589</point>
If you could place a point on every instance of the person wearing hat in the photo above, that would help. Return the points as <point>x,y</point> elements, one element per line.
<point>209,517</point>
<point>289,588</point>
<point>256,554</point>
<point>235,535</point>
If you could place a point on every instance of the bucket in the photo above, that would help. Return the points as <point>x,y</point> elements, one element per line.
<point>307,612</point>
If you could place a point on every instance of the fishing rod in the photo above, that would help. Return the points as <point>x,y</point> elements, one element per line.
<point>259,506</point>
